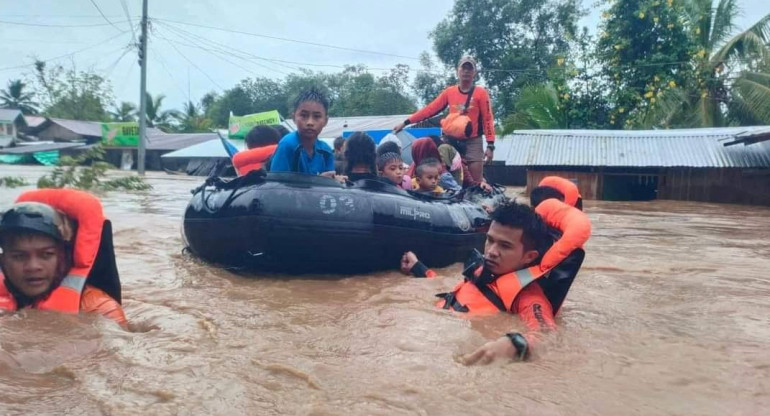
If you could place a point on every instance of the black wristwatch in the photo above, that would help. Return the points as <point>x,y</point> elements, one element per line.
<point>521,345</point>
<point>491,146</point>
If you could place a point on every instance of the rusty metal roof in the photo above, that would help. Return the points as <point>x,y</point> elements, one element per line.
<point>696,148</point>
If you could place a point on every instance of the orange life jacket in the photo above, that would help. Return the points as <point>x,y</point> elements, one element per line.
<point>87,211</point>
<point>480,296</point>
<point>571,222</point>
<point>565,186</point>
<point>252,159</point>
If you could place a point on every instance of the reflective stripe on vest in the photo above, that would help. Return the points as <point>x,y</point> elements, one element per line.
<point>468,296</point>
<point>86,210</point>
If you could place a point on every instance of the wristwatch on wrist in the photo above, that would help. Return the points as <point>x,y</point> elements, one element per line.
<point>521,345</point>
<point>491,146</point>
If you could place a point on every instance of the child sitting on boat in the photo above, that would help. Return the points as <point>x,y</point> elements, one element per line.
<point>390,162</point>
<point>301,151</point>
<point>427,176</point>
<point>426,148</point>
<point>390,167</point>
<point>360,157</point>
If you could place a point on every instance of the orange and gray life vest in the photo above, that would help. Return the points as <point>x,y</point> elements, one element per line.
<point>253,159</point>
<point>486,294</point>
<point>86,210</point>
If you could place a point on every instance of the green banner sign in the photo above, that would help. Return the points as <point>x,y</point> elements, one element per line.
<point>240,126</point>
<point>120,134</point>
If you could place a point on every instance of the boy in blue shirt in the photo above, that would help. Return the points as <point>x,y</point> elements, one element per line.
<point>301,151</point>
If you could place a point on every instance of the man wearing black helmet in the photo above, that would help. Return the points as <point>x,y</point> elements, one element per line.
<point>48,255</point>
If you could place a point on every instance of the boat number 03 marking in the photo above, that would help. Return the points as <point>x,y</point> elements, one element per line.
<point>329,204</point>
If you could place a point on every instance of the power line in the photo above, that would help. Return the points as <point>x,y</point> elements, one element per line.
<point>125,79</point>
<point>105,17</point>
<point>171,77</point>
<point>128,16</point>
<point>276,61</point>
<point>194,66</point>
<point>54,25</point>
<point>221,53</point>
<point>324,45</point>
<point>62,16</point>
<point>126,49</point>
<point>66,54</point>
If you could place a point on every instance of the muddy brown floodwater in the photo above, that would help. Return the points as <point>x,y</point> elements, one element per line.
<point>670,315</point>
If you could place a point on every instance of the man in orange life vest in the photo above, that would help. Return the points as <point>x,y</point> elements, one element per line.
<point>516,239</point>
<point>57,255</point>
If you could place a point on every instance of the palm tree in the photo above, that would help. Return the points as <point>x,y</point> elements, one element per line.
<point>728,88</point>
<point>156,117</point>
<point>15,97</point>
<point>191,120</point>
<point>126,112</point>
<point>538,107</point>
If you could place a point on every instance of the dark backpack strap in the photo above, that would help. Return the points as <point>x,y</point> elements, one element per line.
<point>559,280</point>
<point>468,100</point>
<point>104,273</point>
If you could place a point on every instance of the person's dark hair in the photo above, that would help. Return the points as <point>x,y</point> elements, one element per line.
<point>339,141</point>
<point>534,234</point>
<point>385,158</point>
<point>261,136</point>
<point>360,150</point>
<point>388,147</point>
<point>541,193</point>
<point>282,130</point>
<point>313,94</point>
<point>436,139</point>
<point>428,162</point>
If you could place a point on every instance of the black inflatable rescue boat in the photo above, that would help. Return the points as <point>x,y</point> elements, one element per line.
<point>308,224</point>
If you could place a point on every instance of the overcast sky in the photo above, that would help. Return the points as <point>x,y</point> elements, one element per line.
<point>186,61</point>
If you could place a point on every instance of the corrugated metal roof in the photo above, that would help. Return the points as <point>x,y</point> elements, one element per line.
<point>178,141</point>
<point>208,149</point>
<point>7,114</point>
<point>34,121</point>
<point>43,147</point>
<point>702,148</point>
<point>92,128</point>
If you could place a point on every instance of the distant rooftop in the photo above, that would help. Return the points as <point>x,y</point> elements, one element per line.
<point>697,148</point>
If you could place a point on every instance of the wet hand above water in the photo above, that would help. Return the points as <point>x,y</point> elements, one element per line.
<point>491,351</point>
<point>408,260</point>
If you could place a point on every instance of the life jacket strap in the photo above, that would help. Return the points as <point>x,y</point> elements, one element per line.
<point>490,295</point>
<point>450,302</point>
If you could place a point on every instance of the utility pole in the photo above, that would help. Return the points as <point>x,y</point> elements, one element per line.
<point>143,92</point>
